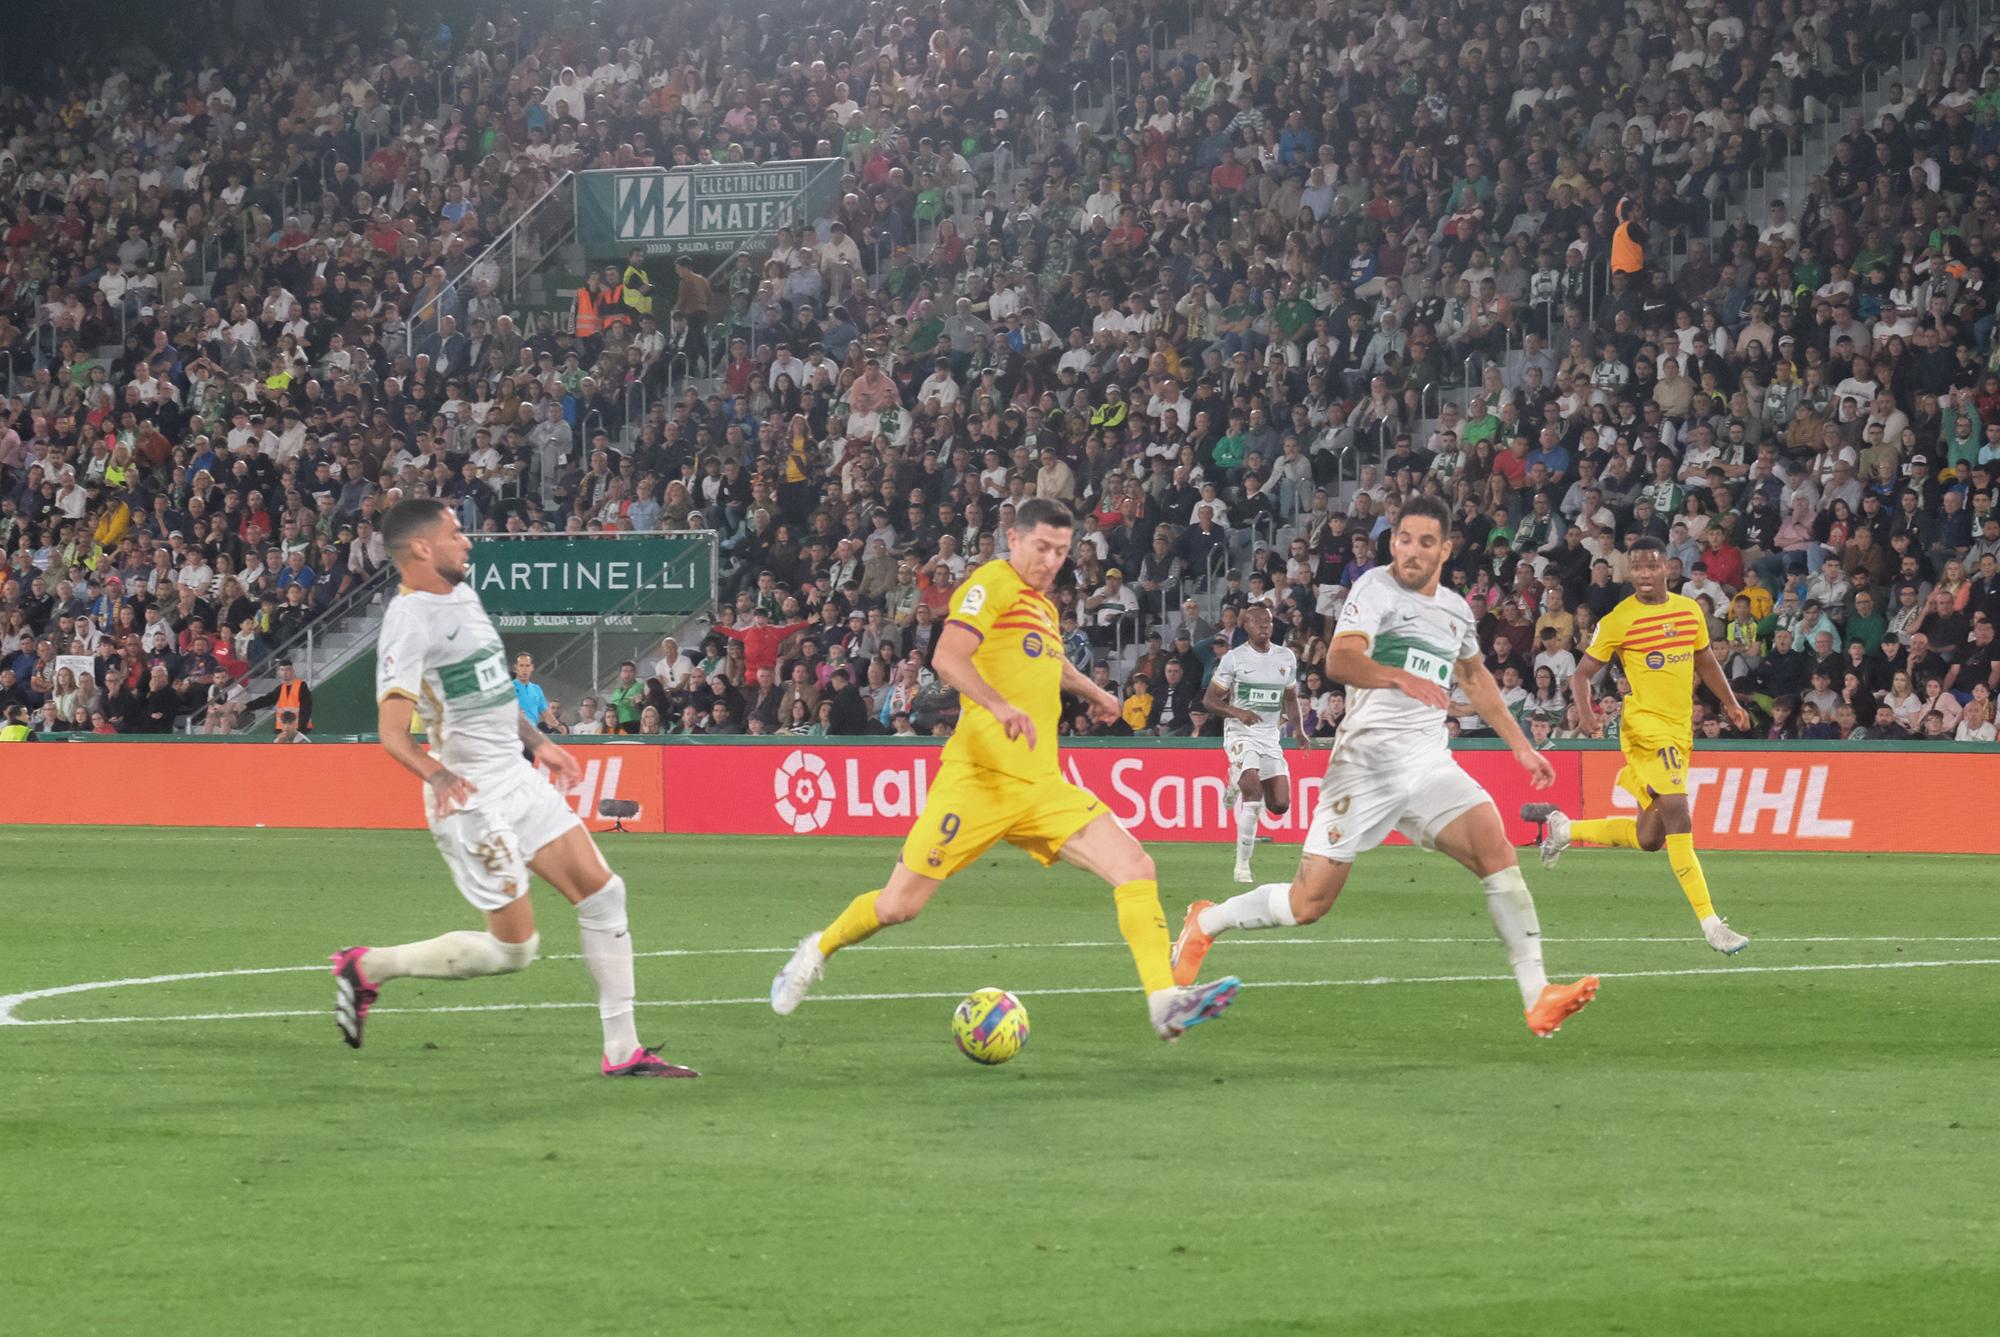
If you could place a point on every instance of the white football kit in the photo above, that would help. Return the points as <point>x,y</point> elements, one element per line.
<point>442,652</point>
<point>1257,683</point>
<point>1392,768</point>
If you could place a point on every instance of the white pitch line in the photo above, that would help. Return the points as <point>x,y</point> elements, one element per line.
<point>10,1003</point>
<point>1259,940</point>
<point>1367,982</point>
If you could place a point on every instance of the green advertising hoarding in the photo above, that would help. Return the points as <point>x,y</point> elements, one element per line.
<point>589,576</point>
<point>694,209</point>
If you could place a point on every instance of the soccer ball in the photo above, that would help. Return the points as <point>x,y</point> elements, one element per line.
<point>991,1026</point>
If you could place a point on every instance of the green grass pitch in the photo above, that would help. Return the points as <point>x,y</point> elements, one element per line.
<point>1371,1142</point>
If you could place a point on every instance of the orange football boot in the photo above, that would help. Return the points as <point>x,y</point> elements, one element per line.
<point>1192,945</point>
<point>1558,1003</point>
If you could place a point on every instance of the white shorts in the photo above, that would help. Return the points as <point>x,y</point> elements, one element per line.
<point>487,847</point>
<point>1360,805</point>
<point>1262,755</point>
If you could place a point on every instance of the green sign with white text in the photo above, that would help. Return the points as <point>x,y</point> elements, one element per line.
<point>693,209</point>
<point>594,575</point>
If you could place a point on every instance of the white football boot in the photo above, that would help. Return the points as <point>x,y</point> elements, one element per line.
<point>807,966</point>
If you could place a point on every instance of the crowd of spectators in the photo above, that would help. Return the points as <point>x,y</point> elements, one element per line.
<point>1227,317</point>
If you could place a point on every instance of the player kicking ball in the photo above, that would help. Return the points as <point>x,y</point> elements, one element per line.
<point>493,816</point>
<point>999,779</point>
<point>1255,690</point>
<point>1398,641</point>
<point>1660,639</point>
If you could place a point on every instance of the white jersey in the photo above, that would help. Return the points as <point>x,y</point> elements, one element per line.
<point>1257,683</point>
<point>442,652</point>
<point>1424,634</point>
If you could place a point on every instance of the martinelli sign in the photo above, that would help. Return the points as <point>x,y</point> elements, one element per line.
<point>640,573</point>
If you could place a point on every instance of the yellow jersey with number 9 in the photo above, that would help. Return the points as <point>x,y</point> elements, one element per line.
<point>1655,644</point>
<point>1020,655</point>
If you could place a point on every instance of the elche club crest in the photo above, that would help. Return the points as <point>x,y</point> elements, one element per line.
<point>803,792</point>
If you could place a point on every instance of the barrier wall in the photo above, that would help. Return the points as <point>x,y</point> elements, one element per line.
<point>1771,797</point>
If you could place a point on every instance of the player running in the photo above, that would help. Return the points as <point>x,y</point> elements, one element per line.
<point>1002,649</point>
<point>1661,641</point>
<point>491,813</point>
<point>1255,690</point>
<point>1398,641</point>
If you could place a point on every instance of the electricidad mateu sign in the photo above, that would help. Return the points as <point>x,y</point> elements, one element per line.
<point>699,208</point>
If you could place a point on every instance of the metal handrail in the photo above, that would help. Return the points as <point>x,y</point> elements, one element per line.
<point>382,578</point>
<point>1042,132</point>
<point>507,234</point>
<point>1120,58</point>
<point>679,359</point>
<point>1076,103</point>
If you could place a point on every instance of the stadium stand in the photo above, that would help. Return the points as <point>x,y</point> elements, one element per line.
<point>1230,278</point>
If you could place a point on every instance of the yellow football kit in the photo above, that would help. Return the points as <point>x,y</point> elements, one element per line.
<point>992,787</point>
<point>1655,644</point>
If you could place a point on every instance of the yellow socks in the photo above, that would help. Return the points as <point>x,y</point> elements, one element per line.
<point>1622,832</point>
<point>1144,925</point>
<point>1687,872</point>
<point>857,923</point>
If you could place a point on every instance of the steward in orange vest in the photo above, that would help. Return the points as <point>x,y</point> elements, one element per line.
<point>291,693</point>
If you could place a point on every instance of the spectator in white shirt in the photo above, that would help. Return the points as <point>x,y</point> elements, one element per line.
<point>1169,406</point>
<point>784,364</point>
<point>1780,232</point>
<point>939,388</point>
<point>588,720</point>
<point>673,665</point>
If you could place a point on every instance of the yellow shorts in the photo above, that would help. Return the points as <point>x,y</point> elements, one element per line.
<point>970,808</point>
<point>1654,767</point>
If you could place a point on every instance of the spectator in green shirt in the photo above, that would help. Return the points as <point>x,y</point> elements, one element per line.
<point>1294,315</point>
<point>1232,446</point>
<point>627,697</point>
<point>1867,624</point>
<point>1481,425</point>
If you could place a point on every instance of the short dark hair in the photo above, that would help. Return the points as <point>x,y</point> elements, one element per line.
<point>1647,543</point>
<point>1038,511</point>
<point>407,519</point>
<point>1427,508</point>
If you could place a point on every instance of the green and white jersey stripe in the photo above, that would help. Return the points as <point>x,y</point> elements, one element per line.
<point>1257,682</point>
<point>443,652</point>
<point>1423,634</point>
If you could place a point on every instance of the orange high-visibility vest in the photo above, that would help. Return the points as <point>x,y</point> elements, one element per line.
<point>288,699</point>
<point>1627,255</point>
<point>588,322</point>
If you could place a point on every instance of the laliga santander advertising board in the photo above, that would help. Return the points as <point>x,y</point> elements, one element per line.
<point>1744,798</point>
<point>1158,793</point>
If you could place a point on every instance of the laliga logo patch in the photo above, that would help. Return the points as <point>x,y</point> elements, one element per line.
<point>1654,659</point>
<point>1031,645</point>
<point>804,792</point>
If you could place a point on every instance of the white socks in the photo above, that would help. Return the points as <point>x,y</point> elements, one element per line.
<point>1515,924</point>
<point>454,956</point>
<point>1248,813</point>
<point>1268,906</point>
<point>607,950</point>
